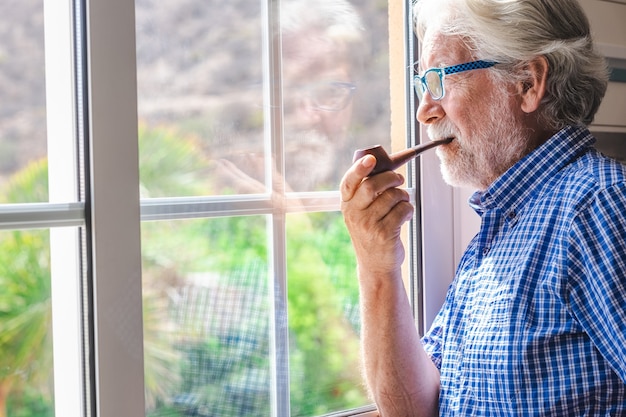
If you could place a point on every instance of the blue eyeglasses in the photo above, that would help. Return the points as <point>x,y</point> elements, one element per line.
<point>432,80</point>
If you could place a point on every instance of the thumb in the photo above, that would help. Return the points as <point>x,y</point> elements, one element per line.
<point>355,175</point>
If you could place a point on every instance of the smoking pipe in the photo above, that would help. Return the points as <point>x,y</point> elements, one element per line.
<point>386,162</point>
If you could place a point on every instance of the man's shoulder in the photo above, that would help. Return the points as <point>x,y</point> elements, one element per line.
<point>587,180</point>
<point>595,170</point>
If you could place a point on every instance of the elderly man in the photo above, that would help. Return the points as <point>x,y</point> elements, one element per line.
<point>534,322</point>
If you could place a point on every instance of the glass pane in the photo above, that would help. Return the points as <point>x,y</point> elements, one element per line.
<point>25,324</point>
<point>25,308</point>
<point>336,87</point>
<point>203,131</point>
<point>22,94</point>
<point>200,92</point>
<point>200,97</point>
<point>324,321</point>
<point>207,311</point>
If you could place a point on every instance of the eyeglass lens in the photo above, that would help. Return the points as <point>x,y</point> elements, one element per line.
<point>332,96</point>
<point>434,84</point>
<point>431,81</point>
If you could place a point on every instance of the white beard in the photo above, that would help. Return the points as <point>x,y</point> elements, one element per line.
<point>492,149</point>
<point>310,160</point>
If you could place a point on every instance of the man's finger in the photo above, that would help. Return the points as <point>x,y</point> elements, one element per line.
<point>355,175</point>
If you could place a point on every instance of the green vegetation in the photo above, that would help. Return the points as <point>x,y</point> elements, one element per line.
<point>207,304</point>
<point>25,310</point>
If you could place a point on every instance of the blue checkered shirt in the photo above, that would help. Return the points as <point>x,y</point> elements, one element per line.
<point>534,323</point>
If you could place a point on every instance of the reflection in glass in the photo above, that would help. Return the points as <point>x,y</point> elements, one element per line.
<point>22,89</point>
<point>208,292</point>
<point>200,66</point>
<point>325,49</point>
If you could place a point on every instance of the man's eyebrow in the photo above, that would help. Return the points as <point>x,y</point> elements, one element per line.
<point>417,67</point>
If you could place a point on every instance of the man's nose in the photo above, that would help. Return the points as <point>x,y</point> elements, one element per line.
<point>428,110</point>
<point>306,111</point>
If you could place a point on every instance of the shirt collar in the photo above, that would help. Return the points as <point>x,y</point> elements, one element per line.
<point>520,181</point>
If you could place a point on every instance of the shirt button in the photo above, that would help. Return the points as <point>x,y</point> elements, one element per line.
<point>485,250</point>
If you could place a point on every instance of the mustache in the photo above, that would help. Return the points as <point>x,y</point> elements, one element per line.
<point>443,129</point>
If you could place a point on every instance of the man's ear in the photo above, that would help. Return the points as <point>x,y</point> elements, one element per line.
<point>533,89</point>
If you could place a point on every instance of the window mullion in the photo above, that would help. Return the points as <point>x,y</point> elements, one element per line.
<point>274,173</point>
<point>415,283</point>
<point>114,208</point>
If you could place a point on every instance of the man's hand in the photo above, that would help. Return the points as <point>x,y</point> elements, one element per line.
<point>401,377</point>
<point>374,211</point>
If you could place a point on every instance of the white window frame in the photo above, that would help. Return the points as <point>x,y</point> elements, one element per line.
<point>63,188</point>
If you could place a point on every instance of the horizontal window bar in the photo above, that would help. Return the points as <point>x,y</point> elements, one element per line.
<point>171,208</point>
<point>47,215</point>
<point>191,207</point>
<point>365,411</point>
<point>41,215</point>
<point>236,205</point>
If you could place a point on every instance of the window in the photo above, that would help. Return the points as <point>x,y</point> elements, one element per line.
<point>41,215</point>
<point>249,114</point>
<point>226,285</point>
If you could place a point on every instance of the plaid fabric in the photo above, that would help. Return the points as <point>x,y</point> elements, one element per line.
<point>534,322</point>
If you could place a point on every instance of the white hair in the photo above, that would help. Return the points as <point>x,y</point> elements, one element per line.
<point>513,32</point>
